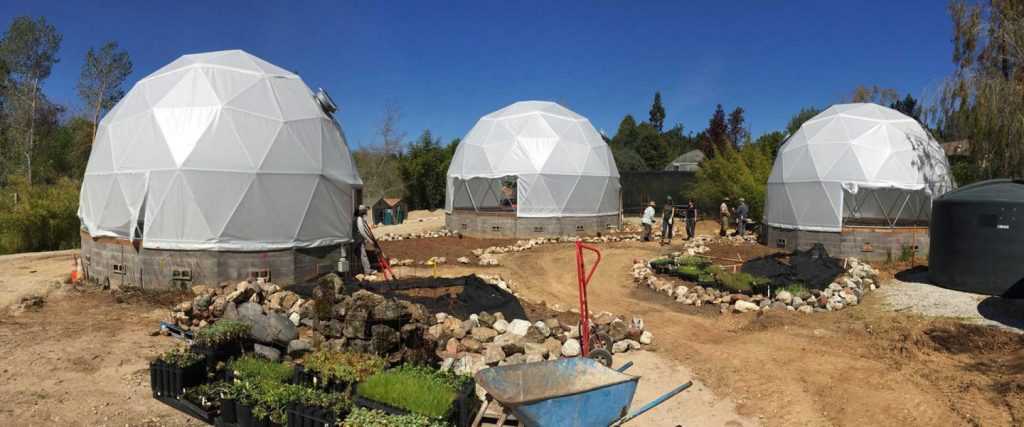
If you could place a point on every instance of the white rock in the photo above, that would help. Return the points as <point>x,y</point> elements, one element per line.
<point>543,327</point>
<point>441,317</point>
<point>621,346</point>
<point>646,338</point>
<point>500,325</point>
<point>518,327</point>
<point>805,309</point>
<point>744,306</point>
<point>295,318</point>
<point>784,296</point>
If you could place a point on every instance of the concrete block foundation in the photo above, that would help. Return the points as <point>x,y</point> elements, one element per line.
<point>124,263</point>
<point>507,225</point>
<point>868,243</point>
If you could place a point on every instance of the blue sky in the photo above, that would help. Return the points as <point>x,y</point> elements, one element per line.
<point>448,63</point>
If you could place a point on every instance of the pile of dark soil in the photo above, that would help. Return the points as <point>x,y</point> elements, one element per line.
<point>458,296</point>
<point>813,267</point>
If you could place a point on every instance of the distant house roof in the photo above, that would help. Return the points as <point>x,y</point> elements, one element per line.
<point>957,148</point>
<point>391,202</point>
<point>688,162</point>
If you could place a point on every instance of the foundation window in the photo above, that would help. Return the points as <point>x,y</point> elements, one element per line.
<point>465,226</point>
<point>495,228</point>
<point>262,273</point>
<point>184,275</point>
<point>119,269</point>
<point>579,228</point>
<point>780,243</point>
<point>538,229</point>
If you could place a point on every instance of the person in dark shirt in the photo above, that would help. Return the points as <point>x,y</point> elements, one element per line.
<point>668,215</point>
<point>741,217</point>
<point>691,219</point>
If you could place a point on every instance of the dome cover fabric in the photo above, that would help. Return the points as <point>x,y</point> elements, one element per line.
<point>220,151</point>
<point>563,166</point>
<point>855,161</point>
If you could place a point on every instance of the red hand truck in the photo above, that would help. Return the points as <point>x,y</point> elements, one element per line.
<point>588,337</point>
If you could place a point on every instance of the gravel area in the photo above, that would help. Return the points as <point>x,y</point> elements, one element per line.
<point>934,301</point>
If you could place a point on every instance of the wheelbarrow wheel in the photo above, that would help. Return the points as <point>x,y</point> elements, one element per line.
<point>601,341</point>
<point>602,356</point>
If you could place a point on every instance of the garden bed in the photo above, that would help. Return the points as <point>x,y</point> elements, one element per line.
<point>459,296</point>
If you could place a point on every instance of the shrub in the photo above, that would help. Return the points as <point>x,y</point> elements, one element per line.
<point>44,219</point>
<point>361,417</point>
<point>690,272</point>
<point>906,253</point>
<point>257,369</point>
<point>416,389</point>
<point>222,332</point>
<point>661,262</point>
<point>797,289</point>
<point>695,261</point>
<point>344,366</point>
<point>270,399</point>
<point>180,357</point>
<point>740,282</point>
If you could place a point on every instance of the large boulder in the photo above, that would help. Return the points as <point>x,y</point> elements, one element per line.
<point>383,339</point>
<point>280,329</point>
<point>618,330</point>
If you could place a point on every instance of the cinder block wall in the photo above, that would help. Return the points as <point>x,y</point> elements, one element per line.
<point>121,263</point>
<point>868,243</point>
<point>490,225</point>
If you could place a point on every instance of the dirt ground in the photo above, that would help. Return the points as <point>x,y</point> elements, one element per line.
<point>81,359</point>
<point>449,247</point>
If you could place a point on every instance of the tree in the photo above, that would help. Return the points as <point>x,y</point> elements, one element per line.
<point>875,94</point>
<point>378,164</point>
<point>735,173</point>
<point>103,73</point>
<point>626,133</point>
<point>798,119</point>
<point>657,113</point>
<point>983,101</point>
<point>627,159</point>
<point>771,141</point>
<point>650,146</point>
<point>424,169</point>
<point>717,133</point>
<point>909,106</point>
<point>736,132</point>
<point>29,50</point>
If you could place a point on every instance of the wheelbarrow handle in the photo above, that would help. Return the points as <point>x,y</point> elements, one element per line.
<point>653,403</point>
<point>624,367</point>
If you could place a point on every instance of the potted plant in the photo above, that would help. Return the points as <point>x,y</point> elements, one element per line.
<point>222,340</point>
<point>336,370</point>
<point>362,417</point>
<point>318,408</point>
<point>205,400</point>
<point>257,369</point>
<point>420,390</point>
<point>174,371</point>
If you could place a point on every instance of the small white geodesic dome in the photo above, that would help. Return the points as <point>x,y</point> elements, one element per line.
<point>559,164</point>
<point>856,163</point>
<point>220,151</point>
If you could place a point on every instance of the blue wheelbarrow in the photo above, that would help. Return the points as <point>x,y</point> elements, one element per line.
<point>567,392</point>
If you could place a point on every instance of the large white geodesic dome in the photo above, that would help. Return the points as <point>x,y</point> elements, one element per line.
<point>536,158</point>
<point>220,151</point>
<point>856,164</point>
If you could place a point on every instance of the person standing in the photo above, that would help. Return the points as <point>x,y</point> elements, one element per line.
<point>741,216</point>
<point>691,219</point>
<point>648,221</point>
<point>668,217</point>
<point>365,241</point>
<point>723,211</point>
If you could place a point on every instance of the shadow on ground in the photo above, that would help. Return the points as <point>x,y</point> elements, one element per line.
<point>1005,311</point>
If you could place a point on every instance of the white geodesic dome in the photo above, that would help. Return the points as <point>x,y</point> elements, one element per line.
<point>220,151</point>
<point>856,164</point>
<point>536,158</point>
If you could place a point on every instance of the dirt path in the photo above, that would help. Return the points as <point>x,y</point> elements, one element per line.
<point>31,274</point>
<point>82,360</point>
<point>847,368</point>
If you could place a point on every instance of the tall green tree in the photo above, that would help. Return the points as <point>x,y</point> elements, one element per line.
<point>657,113</point>
<point>424,168</point>
<point>909,106</point>
<point>651,147</point>
<point>737,132</point>
<point>735,173</point>
<point>103,73</point>
<point>772,142</point>
<point>799,118</point>
<point>29,50</point>
<point>717,133</point>
<point>626,132</point>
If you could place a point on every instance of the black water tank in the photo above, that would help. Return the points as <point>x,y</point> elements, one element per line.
<point>977,239</point>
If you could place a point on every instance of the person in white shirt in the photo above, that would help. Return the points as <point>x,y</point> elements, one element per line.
<point>723,210</point>
<point>365,241</point>
<point>648,221</point>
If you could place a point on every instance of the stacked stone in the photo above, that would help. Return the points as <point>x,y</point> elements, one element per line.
<point>362,322</point>
<point>486,339</point>
<point>847,290</point>
<point>390,237</point>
